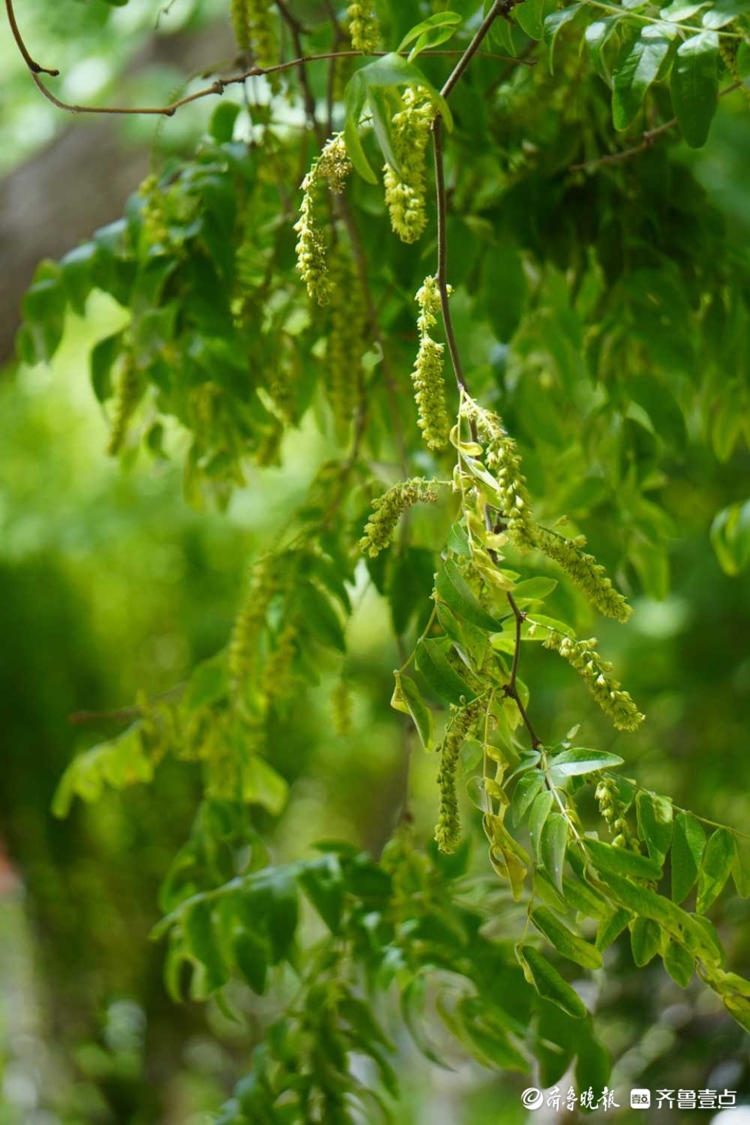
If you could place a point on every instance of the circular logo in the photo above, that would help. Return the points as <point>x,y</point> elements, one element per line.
<point>532,1098</point>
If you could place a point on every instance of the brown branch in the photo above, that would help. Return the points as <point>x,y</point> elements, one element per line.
<point>34,67</point>
<point>215,89</point>
<point>437,145</point>
<point>498,8</point>
<point>645,142</point>
<point>123,714</point>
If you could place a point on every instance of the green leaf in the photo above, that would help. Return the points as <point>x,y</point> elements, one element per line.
<point>582,898</point>
<point>485,1038</point>
<point>322,883</point>
<point>432,663</point>
<point>645,940</point>
<point>250,954</point>
<point>433,31</point>
<point>530,17</point>
<point>356,152</point>
<point>730,537</point>
<point>741,867</point>
<point>412,1003</point>
<point>694,86</point>
<point>564,940</point>
<point>643,901</point>
<point>533,589</point>
<point>409,586</point>
<point>723,12</point>
<point>391,70</point>
<point>453,590</point>
<point>635,70</point>
<point>202,943</point>
<point>320,617</point>
<point>553,25</point>
<point>538,813</point>
<point>262,785</point>
<point>596,36</point>
<point>554,842</point>
<point>593,1064</point>
<point>739,1008</point>
<point>679,963</point>
<point>611,926</point>
<point>103,356</point>
<point>527,788</point>
<point>209,682</point>
<point>548,982</point>
<point>406,698</point>
<point>660,405</point>
<point>655,824</point>
<point>715,868</point>
<point>439,19</point>
<point>504,288</point>
<point>578,761</point>
<point>43,309</point>
<point>283,912</point>
<point>458,540</point>
<point>687,852</point>
<point>620,861</point>
<point>222,121</point>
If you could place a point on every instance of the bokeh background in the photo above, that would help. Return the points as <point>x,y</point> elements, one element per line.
<point>110,582</point>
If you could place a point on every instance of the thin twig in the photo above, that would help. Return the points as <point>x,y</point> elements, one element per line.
<point>124,714</point>
<point>34,67</point>
<point>466,57</point>
<point>442,256</point>
<point>215,89</point>
<point>645,142</point>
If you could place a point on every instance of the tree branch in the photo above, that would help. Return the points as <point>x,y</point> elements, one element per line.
<point>645,142</point>
<point>33,66</point>
<point>215,89</point>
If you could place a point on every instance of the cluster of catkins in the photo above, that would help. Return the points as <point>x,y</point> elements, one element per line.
<point>128,388</point>
<point>253,25</point>
<point>502,458</point>
<point>346,337</point>
<point>388,509</point>
<point>364,29</point>
<point>613,813</point>
<point>596,673</point>
<point>332,166</point>
<point>250,621</point>
<point>448,828</point>
<point>405,188</point>
<point>427,375</point>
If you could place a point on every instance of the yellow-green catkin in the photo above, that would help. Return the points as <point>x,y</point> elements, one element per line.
<point>612,811</point>
<point>502,459</point>
<point>427,375</point>
<point>345,339</point>
<point>596,673</point>
<point>363,27</point>
<point>389,507</point>
<point>448,828</point>
<point>332,165</point>
<point>341,708</point>
<point>277,672</point>
<point>405,190</point>
<point>589,575</point>
<point>249,623</point>
<point>240,23</point>
<point>253,26</point>
<point>153,214</point>
<point>127,393</point>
